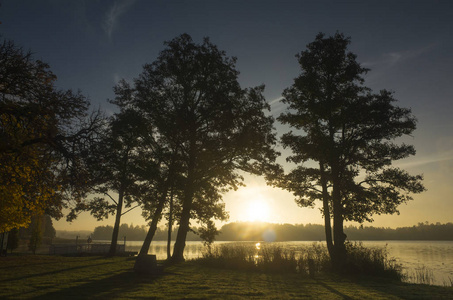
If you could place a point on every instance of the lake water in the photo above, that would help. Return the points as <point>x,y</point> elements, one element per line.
<point>435,256</point>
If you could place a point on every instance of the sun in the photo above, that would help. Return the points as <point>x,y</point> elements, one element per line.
<point>258,210</point>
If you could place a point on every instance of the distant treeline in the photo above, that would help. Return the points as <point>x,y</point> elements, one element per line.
<point>137,233</point>
<point>315,232</point>
<point>422,231</point>
<point>246,231</point>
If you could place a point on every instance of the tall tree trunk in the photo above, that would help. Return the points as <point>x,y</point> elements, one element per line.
<point>180,243</point>
<point>143,264</point>
<point>339,236</point>
<point>153,226</point>
<point>184,222</point>
<point>326,210</point>
<point>170,226</point>
<point>116,228</point>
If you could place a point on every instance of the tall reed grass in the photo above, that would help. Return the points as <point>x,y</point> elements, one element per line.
<point>313,259</point>
<point>374,261</point>
<point>420,275</point>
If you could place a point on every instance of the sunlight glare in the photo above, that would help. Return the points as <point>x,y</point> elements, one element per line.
<point>258,210</point>
<point>258,246</point>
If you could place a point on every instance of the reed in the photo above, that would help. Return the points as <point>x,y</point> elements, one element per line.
<point>264,257</point>
<point>421,275</point>
<point>374,261</point>
<point>239,256</point>
<point>312,260</point>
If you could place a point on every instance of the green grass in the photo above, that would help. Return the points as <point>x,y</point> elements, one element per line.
<point>53,277</point>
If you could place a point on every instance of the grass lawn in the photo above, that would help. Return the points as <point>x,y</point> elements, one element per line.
<point>55,277</point>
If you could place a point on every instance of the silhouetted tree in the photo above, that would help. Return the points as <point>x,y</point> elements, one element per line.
<point>114,162</point>
<point>42,132</point>
<point>48,229</point>
<point>208,234</point>
<point>36,234</point>
<point>159,165</point>
<point>347,131</point>
<point>210,127</point>
<point>13,239</point>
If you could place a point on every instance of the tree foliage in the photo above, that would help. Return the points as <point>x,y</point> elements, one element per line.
<point>42,131</point>
<point>345,140</point>
<point>205,127</point>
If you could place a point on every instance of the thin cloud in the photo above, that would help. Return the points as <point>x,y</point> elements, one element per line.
<point>438,158</point>
<point>390,59</point>
<point>275,100</point>
<point>116,78</point>
<point>277,106</point>
<point>118,8</point>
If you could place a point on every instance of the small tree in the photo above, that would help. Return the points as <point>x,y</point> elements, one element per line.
<point>36,234</point>
<point>49,231</point>
<point>113,163</point>
<point>13,239</point>
<point>208,233</point>
<point>347,135</point>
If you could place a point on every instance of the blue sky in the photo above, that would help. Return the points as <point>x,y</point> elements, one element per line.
<point>408,46</point>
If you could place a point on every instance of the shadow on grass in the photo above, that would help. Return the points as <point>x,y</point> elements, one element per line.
<point>106,288</point>
<point>331,289</point>
<point>21,260</point>
<point>53,272</point>
<point>405,290</point>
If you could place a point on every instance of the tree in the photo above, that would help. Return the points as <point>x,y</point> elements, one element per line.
<point>42,131</point>
<point>48,229</point>
<point>204,123</point>
<point>13,239</point>
<point>207,234</point>
<point>114,161</point>
<point>345,144</point>
<point>157,166</point>
<point>36,234</point>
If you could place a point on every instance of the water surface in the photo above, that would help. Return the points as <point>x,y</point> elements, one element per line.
<point>436,256</point>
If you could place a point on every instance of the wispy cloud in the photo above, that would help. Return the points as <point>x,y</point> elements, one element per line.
<point>440,158</point>
<point>388,62</point>
<point>116,78</point>
<point>391,59</point>
<point>277,106</point>
<point>118,8</point>
<point>272,102</point>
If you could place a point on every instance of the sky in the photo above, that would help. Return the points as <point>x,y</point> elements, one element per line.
<point>408,45</point>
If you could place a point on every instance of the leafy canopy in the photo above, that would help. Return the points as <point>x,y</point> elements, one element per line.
<point>348,131</point>
<point>41,131</point>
